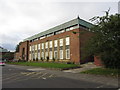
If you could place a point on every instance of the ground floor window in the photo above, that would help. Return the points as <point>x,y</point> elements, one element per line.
<point>61,54</point>
<point>35,56</point>
<point>67,53</point>
<point>50,55</point>
<point>46,55</point>
<point>30,57</point>
<point>38,55</point>
<point>55,54</point>
<point>42,55</point>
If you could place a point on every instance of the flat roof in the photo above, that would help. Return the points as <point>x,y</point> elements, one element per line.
<point>60,27</point>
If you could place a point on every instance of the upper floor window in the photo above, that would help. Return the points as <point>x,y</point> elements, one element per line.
<point>67,40</point>
<point>50,43</point>
<point>61,42</point>
<point>42,45</point>
<point>42,37</point>
<point>55,43</point>
<point>71,28</point>
<point>46,45</point>
<point>30,48</point>
<point>38,46</point>
<point>67,29</point>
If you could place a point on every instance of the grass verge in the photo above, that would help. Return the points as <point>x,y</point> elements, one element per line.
<point>47,65</point>
<point>103,71</point>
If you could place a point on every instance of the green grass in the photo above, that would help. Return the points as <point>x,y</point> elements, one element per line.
<point>103,71</point>
<point>45,64</point>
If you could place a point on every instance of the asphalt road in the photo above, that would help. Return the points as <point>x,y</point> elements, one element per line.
<point>20,77</point>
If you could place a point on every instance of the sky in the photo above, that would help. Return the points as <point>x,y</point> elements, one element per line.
<point>20,19</point>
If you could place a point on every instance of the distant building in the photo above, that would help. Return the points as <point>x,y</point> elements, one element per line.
<point>5,54</point>
<point>60,43</point>
<point>2,51</point>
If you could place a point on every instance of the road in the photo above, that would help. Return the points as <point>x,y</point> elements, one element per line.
<point>28,77</point>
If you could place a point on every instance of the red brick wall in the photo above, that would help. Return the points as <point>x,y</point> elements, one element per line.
<point>26,48</point>
<point>74,43</point>
<point>97,61</point>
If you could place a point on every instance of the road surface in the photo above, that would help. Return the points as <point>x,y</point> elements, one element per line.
<point>22,77</point>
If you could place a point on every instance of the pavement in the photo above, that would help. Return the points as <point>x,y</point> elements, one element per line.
<point>75,74</point>
<point>84,67</point>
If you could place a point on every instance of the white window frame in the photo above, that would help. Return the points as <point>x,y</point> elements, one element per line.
<point>67,40</point>
<point>50,44</point>
<point>67,29</point>
<point>38,55</point>
<point>30,56</point>
<point>42,45</point>
<point>67,57</point>
<point>46,45</point>
<point>61,42</point>
<point>33,48</point>
<point>35,56</point>
<point>38,46</point>
<point>56,57</point>
<point>50,55</point>
<point>61,54</point>
<point>71,28</point>
<point>42,55</point>
<point>55,43</point>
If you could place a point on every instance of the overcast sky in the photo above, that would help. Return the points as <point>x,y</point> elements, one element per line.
<point>20,19</point>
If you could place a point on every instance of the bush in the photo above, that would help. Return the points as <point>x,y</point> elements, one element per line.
<point>54,59</point>
<point>47,58</point>
<point>41,59</point>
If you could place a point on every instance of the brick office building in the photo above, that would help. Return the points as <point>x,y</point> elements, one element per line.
<point>58,43</point>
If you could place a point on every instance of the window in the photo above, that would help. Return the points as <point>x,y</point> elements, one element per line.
<point>50,55</point>
<point>42,37</point>
<point>61,54</point>
<point>42,45</point>
<point>46,45</point>
<point>46,55</point>
<point>61,42</point>
<point>35,56</point>
<point>75,27</point>
<point>71,28</point>
<point>33,48</point>
<point>55,54</point>
<point>67,53</point>
<point>50,43</point>
<point>38,46</point>
<point>55,43</point>
<point>42,55</point>
<point>67,40</point>
<point>29,56</point>
<point>67,29</point>
<point>30,48</point>
<point>38,55</point>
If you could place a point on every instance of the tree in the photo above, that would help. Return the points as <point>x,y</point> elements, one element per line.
<point>106,40</point>
<point>8,56</point>
<point>17,48</point>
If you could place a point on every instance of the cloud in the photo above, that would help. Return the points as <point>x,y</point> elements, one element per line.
<point>20,19</point>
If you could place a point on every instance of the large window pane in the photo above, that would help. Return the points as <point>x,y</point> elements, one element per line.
<point>61,42</point>
<point>67,40</point>
<point>67,53</point>
<point>61,54</point>
<point>55,43</point>
<point>50,54</point>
